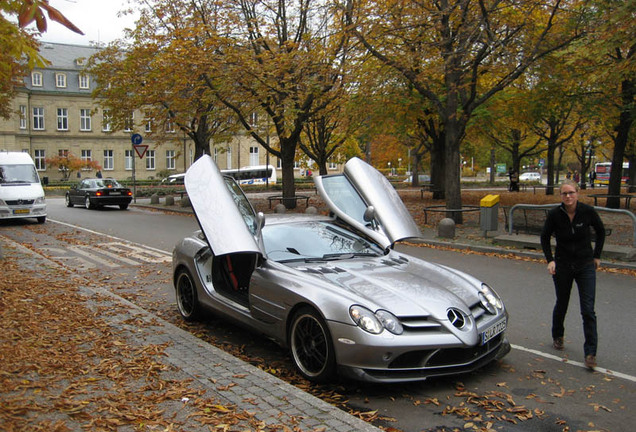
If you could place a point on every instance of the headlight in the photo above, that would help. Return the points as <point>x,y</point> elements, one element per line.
<point>489,299</point>
<point>39,200</point>
<point>375,323</point>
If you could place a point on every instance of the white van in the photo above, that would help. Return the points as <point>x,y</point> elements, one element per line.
<point>21,194</point>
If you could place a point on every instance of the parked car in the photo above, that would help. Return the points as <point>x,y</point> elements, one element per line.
<point>530,176</point>
<point>332,288</point>
<point>422,178</point>
<point>98,192</point>
<point>174,179</point>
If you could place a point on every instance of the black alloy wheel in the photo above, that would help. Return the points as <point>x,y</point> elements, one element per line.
<point>311,346</point>
<point>187,299</point>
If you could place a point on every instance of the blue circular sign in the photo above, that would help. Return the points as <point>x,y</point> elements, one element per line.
<point>136,139</point>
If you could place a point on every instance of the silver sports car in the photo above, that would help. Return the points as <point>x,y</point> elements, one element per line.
<point>332,289</point>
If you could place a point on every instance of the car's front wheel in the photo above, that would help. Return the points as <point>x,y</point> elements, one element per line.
<point>69,203</point>
<point>311,345</point>
<point>187,298</point>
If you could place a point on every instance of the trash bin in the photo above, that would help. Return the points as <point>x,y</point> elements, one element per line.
<point>488,213</point>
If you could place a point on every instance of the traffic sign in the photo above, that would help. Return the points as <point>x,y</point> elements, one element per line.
<point>136,139</point>
<point>140,150</point>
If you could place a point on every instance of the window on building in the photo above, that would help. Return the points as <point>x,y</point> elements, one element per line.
<point>254,119</point>
<point>333,165</point>
<point>169,126</point>
<point>62,119</point>
<point>150,160</point>
<point>63,153</point>
<point>254,155</point>
<point>148,125</point>
<point>86,156</point>
<point>23,117</point>
<point>228,158</point>
<point>109,160</point>
<point>40,160</point>
<point>129,122</point>
<point>84,81</point>
<point>129,155</point>
<point>85,119</point>
<point>60,80</point>
<point>170,160</point>
<point>36,79</point>
<point>216,155</point>
<point>38,118</point>
<point>106,121</point>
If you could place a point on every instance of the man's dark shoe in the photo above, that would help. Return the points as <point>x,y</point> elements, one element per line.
<point>590,361</point>
<point>558,343</point>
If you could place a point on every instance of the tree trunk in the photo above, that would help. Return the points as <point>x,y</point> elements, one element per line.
<point>288,152</point>
<point>452,172</point>
<point>628,91</point>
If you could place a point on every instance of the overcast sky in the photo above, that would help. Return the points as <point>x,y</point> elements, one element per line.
<point>96,18</point>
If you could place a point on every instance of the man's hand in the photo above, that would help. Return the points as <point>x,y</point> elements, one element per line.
<point>552,267</point>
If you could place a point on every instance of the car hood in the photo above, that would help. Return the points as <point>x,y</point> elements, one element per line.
<point>403,286</point>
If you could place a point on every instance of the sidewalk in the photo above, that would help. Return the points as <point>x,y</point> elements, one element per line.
<point>77,357</point>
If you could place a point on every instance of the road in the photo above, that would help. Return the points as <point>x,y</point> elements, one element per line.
<point>533,388</point>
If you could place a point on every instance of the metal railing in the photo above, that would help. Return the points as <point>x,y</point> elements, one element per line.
<point>627,213</point>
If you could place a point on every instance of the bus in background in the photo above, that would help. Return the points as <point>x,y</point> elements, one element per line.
<point>603,170</point>
<point>253,175</point>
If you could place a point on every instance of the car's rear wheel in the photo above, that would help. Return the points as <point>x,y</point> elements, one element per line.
<point>87,202</point>
<point>69,203</point>
<point>311,345</point>
<point>123,206</point>
<point>187,298</point>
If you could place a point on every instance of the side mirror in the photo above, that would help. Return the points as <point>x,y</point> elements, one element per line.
<point>260,220</point>
<point>369,214</point>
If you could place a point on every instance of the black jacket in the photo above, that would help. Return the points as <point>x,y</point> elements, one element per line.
<point>573,239</point>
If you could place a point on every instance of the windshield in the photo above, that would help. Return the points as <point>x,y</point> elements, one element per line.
<point>315,241</point>
<point>108,183</point>
<point>18,174</point>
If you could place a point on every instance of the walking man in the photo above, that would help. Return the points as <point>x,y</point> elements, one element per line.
<point>574,260</point>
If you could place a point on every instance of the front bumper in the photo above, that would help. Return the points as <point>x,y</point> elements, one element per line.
<point>389,358</point>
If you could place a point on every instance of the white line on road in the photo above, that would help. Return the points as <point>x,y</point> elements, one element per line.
<point>574,363</point>
<point>110,236</point>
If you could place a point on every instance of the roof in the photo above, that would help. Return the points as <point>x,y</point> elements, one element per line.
<point>65,56</point>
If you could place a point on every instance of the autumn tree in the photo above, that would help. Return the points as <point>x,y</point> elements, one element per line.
<point>608,53</point>
<point>151,71</point>
<point>283,59</point>
<point>458,54</point>
<point>19,46</point>
<point>69,163</point>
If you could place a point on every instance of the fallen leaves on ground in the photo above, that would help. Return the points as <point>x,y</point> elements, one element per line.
<point>66,366</point>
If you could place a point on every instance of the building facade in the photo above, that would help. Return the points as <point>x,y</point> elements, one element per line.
<point>55,114</point>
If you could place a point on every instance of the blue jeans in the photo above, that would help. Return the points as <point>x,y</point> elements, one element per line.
<point>585,277</point>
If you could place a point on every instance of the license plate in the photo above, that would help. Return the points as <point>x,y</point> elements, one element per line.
<point>21,211</point>
<point>115,193</point>
<point>493,331</point>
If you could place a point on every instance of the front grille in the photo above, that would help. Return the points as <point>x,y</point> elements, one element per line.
<point>444,357</point>
<point>20,202</point>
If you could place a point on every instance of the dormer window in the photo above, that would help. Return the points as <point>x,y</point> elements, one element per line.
<point>36,79</point>
<point>84,81</point>
<point>80,61</point>
<point>60,80</point>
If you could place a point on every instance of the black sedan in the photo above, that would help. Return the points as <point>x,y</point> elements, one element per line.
<point>97,192</point>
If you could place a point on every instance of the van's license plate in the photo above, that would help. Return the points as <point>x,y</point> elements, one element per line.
<point>21,211</point>
<point>493,331</point>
